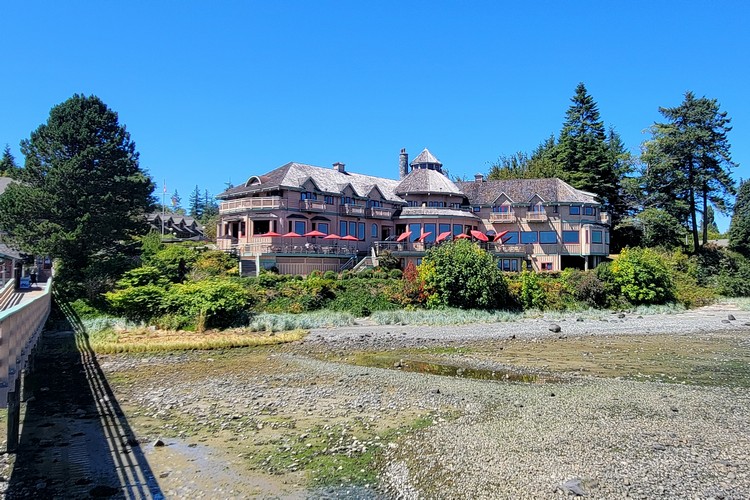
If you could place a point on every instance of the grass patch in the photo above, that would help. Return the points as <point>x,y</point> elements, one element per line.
<point>111,341</point>
<point>271,322</point>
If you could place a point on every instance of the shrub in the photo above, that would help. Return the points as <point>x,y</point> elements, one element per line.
<point>366,274</point>
<point>388,261</point>
<point>330,275</point>
<point>268,279</point>
<point>590,290</point>
<point>461,274</point>
<point>142,276</point>
<point>212,303</point>
<point>395,274</point>
<point>315,273</point>
<point>214,263</point>
<point>361,297</point>
<point>174,261</point>
<point>532,294</point>
<point>734,276</point>
<point>642,276</point>
<point>86,310</point>
<point>137,303</point>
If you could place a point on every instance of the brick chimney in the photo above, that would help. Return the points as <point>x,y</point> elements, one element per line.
<point>339,167</point>
<point>478,178</point>
<point>403,164</point>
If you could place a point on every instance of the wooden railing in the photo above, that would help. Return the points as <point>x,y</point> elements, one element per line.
<point>259,203</point>
<point>350,209</point>
<point>313,206</point>
<point>536,217</point>
<point>502,217</point>
<point>380,213</point>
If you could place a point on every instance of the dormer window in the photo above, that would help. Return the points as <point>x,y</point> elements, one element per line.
<point>575,210</point>
<point>501,209</point>
<point>347,200</point>
<point>307,195</point>
<point>537,208</point>
<point>374,203</point>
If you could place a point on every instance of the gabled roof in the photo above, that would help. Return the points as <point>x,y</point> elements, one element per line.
<point>423,180</point>
<point>523,190</point>
<point>329,180</point>
<point>425,157</point>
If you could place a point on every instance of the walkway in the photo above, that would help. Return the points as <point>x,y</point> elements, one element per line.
<point>75,440</point>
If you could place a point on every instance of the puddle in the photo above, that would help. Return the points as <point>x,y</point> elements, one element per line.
<point>448,370</point>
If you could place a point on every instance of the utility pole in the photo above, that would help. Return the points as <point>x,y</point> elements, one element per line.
<point>163,207</point>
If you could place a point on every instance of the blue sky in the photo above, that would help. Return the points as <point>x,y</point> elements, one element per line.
<point>220,91</point>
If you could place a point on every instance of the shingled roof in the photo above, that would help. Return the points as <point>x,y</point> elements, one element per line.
<point>425,157</point>
<point>422,180</point>
<point>294,175</point>
<point>523,190</point>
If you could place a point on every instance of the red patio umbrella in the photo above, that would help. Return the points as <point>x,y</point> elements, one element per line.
<point>442,236</point>
<point>479,235</point>
<point>462,236</point>
<point>291,234</point>
<point>314,233</point>
<point>350,238</point>
<point>271,234</point>
<point>424,235</point>
<point>499,236</point>
<point>403,236</point>
<point>332,237</point>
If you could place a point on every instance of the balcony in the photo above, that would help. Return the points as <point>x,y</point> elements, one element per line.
<point>354,210</point>
<point>380,213</point>
<point>245,204</point>
<point>536,217</point>
<point>604,218</point>
<point>502,217</point>
<point>313,206</point>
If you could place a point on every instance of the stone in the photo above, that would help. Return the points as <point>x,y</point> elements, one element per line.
<point>574,487</point>
<point>725,321</point>
<point>658,447</point>
<point>159,443</point>
<point>731,317</point>
<point>555,328</point>
<point>621,315</point>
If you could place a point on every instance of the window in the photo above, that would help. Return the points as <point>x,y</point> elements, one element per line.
<point>477,208</point>
<point>444,228</point>
<point>596,236</point>
<point>342,228</point>
<point>457,229</point>
<point>575,210</point>
<point>436,204</point>
<point>547,237</point>
<point>537,209</point>
<point>589,211</point>
<point>528,237</point>
<point>361,231</point>
<point>571,237</point>
<point>299,227</point>
<point>412,203</point>
<point>606,237</point>
<point>508,265</point>
<point>546,266</point>
<point>328,200</point>
<point>511,238</point>
<point>323,227</point>
<point>430,228</point>
<point>457,206</point>
<point>353,228</point>
<point>501,209</point>
<point>374,203</point>
<point>307,195</point>
<point>346,200</point>
<point>416,231</point>
<point>374,231</point>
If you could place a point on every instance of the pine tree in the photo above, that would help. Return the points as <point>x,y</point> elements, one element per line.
<point>8,165</point>
<point>176,199</point>
<point>210,207</point>
<point>689,162</point>
<point>739,228</point>
<point>195,207</point>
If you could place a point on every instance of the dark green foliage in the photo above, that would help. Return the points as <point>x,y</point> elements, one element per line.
<point>656,227</point>
<point>395,273</point>
<point>739,229</point>
<point>388,261</point>
<point>196,204</point>
<point>212,263</point>
<point>362,297</point>
<point>142,276</point>
<point>82,191</point>
<point>734,276</point>
<point>8,167</point>
<point>532,294</point>
<point>150,245</point>
<point>642,276</point>
<point>137,303</point>
<point>330,275</point>
<point>689,161</point>
<point>212,303</point>
<point>174,261</point>
<point>586,287</point>
<point>461,274</point>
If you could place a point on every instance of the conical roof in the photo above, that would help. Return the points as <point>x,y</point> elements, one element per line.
<point>425,157</point>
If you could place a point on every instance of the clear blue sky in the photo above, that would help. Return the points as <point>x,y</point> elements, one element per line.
<point>219,91</point>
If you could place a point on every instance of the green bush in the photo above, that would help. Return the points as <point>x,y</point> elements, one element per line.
<point>460,274</point>
<point>214,263</point>
<point>142,276</point>
<point>366,274</point>
<point>85,310</point>
<point>268,279</point>
<point>212,303</point>
<point>137,303</point>
<point>395,274</point>
<point>362,297</point>
<point>330,275</point>
<point>315,273</point>
<point>642,276</point>
<point>734,276</point>
<point>591,290</point>
<point>532,294</point>
<point>175,261</point>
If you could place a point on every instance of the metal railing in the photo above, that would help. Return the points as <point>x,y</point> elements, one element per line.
<point>380,213</point>
<point>351,209</point>
<point>313,206</point>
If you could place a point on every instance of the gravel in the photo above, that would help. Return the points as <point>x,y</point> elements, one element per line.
<point>602,438</point>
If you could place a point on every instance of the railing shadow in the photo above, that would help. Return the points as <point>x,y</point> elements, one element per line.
<point>75,440</point>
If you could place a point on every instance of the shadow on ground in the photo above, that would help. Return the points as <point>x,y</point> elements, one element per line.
<point>75,441</point>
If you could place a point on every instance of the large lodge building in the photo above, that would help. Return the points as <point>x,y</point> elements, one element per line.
<point>540,224</point>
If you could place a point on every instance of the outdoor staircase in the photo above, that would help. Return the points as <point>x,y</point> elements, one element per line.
<point>363,264</point>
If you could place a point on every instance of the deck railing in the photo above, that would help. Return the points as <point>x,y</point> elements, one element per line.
<point>259,203</point>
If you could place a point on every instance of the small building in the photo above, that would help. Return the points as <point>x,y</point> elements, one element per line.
<point>176,227</point>
<point>541,224</point>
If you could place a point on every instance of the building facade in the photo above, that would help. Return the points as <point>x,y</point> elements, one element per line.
<point>350,218</point>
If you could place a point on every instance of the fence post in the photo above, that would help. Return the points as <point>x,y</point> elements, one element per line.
<point>14,417</point>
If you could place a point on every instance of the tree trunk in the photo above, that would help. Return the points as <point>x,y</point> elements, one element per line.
<point>691,201</point>
<point>705,212</point>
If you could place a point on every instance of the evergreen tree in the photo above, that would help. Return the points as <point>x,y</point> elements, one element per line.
<point>739,228</point>
<point>196,203</point>
<point>82,195</point>
<point>582,151</point>
<point>689,162</point>
<point>8,165</point>
<point>176,199</point>
<point>210,207</point>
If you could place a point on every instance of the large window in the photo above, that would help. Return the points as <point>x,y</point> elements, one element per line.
<point>323,227</point>
<point>328,200</point>
<point>444,228</point>
<point>571,237</point>
<point>511,238</point>
<point>457,229</point>
<point>575,210</point>
<point>374,231</point>
<point>416,231</point>
<point>508,265</point>
<point>307,195</point>
<point>342,228</point>
<point>537,209</point>
<point>477,208</point>
<point>353,228</point>
<point>374,203</point>
<point>596,236</point>
<point>347,200</point>
<point>589,211</point>
<point>436,204</point>
<point>361,231</point>
<point>430,228</point>
<point>501,209</point>
<point>529,237</point>
<point>299,227</point>
<point>547,237</point>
